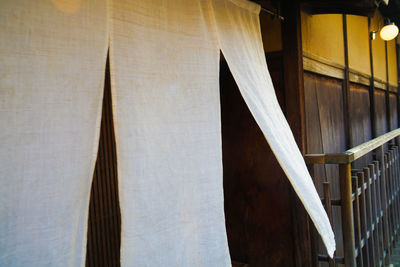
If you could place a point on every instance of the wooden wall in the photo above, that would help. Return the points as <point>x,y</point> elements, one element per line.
<point>392,63</point>
<point>256,191</point>
<point>360,124</point>
<point>360,120</point>
<point>328,84</point>
<point>393,111</point>
<point>104,228</point>
<point>380,112</point>
<point>325,133</point>
<point>358,43</point>
<point>322,36</point>
<point>271,32</point>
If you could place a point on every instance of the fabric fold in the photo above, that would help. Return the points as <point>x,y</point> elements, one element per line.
<point>52,63</point>
<point>239,35</point>
<point>165,87</point>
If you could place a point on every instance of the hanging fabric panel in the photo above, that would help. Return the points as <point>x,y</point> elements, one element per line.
<point>52,62</point>
<point>164,79</point>
<point>238,30</point>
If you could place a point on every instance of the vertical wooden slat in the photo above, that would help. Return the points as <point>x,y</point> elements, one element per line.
<point>346,86</point>
<point>381,158</point>
<point>363,217</point>
<point>371,86</point>
<point>370,218</point>
<point>379,210</point>
<point>328,208</point>
<point>376,210</point>
<point>347,214</point>
<point>387,94</point>
<point>396,188</point>
<point>357,222</point>
<point>390,198</point>
<point>313,232</point>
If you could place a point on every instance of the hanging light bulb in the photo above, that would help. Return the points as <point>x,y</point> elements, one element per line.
<point>389,31</point>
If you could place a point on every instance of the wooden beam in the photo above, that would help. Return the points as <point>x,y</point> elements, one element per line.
<point>295,114</point>
<point>346,87</point>
<point>371,86</point>
<point>352,154</point>
<point>347,215</point>
<point>398,82</point>
<point>387,96</point>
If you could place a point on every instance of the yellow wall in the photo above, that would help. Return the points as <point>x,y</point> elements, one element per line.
<point>358,43</point>
<point>378,48</point>
<point>392,62</point>
<point>271,32</point>
<point>323,36</point>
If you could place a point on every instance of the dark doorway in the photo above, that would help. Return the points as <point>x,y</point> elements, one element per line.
<point>256,191</point>
<point>104,228</point>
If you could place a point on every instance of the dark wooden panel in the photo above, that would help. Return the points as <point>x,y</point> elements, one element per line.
<point>257,201</point>
<point>360,114</point>
<point>103,245</point>
<point>324,121</point>
<point>294,100</point>
<point>393,111</point>
<point>360,120</point>
<point>325,134</point>
<point>380,112</point>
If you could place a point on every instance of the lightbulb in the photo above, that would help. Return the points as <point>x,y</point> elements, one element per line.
<point>389,32</point>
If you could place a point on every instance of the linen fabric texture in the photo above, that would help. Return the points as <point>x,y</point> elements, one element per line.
<point>164,64</point>
<point>165,88</point>
<point>52,62</point>
<point>239,34</point>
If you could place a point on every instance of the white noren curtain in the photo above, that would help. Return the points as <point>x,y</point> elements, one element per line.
<point>239,35</point>
<point>164,79</point>
<point>164,57</point>
<point>52,63</point>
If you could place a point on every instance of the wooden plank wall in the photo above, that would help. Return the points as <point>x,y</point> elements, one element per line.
<point>325,134</point>
<point>256,191</point>
<point>104,226</point>
<point>393,111</point>
<point>360,121</point>
<point>380,112</point>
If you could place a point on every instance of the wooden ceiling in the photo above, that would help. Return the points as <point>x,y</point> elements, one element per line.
<point>355,7</point>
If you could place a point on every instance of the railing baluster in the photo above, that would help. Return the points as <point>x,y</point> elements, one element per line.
<point>381,158</point>
<point>363,217</point>
<point>370,213</point>
<point>347,214</point>
<point>391,210</point>
<point>357,222</point>
<point>328,208</point>
<point>396,189</point>
<point>314,233</point>
<point>379,210</point>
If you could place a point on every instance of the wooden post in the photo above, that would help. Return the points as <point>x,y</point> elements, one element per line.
<point>387,94</point>
<point>294,101</point>
<point>381,158</point>
<point>346,87</point>
<point>313,232</point>
<point>357,222</point>
<point>347,214</point>
<point>363,217</point>
<point>370,215</point>
<point>371,86</point>
<point>328,208</point>
<point>398,83</point>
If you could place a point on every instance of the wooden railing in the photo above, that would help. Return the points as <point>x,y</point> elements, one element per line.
<point>369,201</point>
